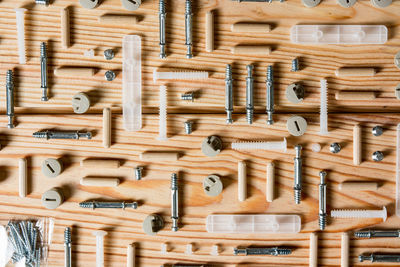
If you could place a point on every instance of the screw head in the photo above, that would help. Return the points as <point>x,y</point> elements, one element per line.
<point>109,54</point>
<point>335,148</point>
<point>109,75</point>
<point>377,156</point>
<point>377,131</point>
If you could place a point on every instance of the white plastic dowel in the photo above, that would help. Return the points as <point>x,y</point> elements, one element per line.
<point>20,16</point>
<point>313,260</point>
<point>344,260</point>
<point>316,147</point>
<point>23,169</point>
<point>260,145</point>
<point>323,113</point>
<point>269,192</point>
<point>357,149</point>
<point>360,214</point>
<point>242,181</point>
<point>100,247</point>
<point>398,171</point>
<point>339,34</point>
<point>162,135</point>
<point>132,82</point>
<point>179,75</point>
<point>106,127</point>
<point>189,249</point>
<point>252,223</point>
<point>130,256</point>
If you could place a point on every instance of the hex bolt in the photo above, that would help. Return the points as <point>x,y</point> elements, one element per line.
<point>270,94</point>
<point>374,233</point>
<point>10,99</point>
<point>174,202</point>
<point>67,247</point>
<point>188,127</point>
<point>249,94</point>
<point>379,258</point>
<point>109,75</point>
<point>276,251</point>
<point>108,205</point>
<point>62,135</point>
<point>188,96</point>
<point>109,54</point>
<point>335,148</point>
<point>377,131</point>
<point>377,156</point>
<point>295,65</point>
<point>322,200</point>
<point>228,94</point>
<point>297,174</point>
<point>188,28</point>
<point>162,16</point>
<point>43,71</point>
<point>138,173</point>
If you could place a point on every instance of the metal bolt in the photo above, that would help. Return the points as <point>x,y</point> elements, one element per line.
<point>322,201</point>
<point>377,131</point>
<point>162,15</point>
<point>188,127</point>
<point>62,135</point>
<point>188,96</point>
<point>108,205</point>
<point>174,202</point>
<point>379,258</point>
<point>377,156</point>
<point>67,247</point>
<point>43,71</point>
<point>109,75</point>
<point>109,54</point>
<point>138,173</point>
<point>10,99</point>
<point>295,65</point>
<point>373,233</point>
<point>335,148</point>
<point>228,94</point>
<point>249,94</point>
<point>297,174</point>
<point>188,28</point>
<point>42,2</point>
<point>262,251</point>
<point>270,95</point>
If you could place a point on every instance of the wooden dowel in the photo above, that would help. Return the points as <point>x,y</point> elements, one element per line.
<point>344,260</point>
<point>358,186</point>
<point>65,28</point>
<point>347,72</point>
<point>106,127</point>
<point>117,19</point>
<point>357,145</point>
<point>209,31</point>
<point>167,156</point>
<point>351,95</point>
<point>130,256</point>
<point>269,192</point>
<point>313,260</point>
<point>100,181</point>
<point>242,181</point>
<point>257,50</point>
<point>74,72</point>
<point>23,182</point>
<point>251,27</point>
<point>101,163</point>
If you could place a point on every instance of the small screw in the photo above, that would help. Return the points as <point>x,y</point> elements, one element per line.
<point>377,156</point>
<point>377,131</point>
<point>295,65</point>
<point>109,54</point>
<point>335,148</point>
<point>188,127</point>
<point>109,75</point>
<point>188,96</point>
<point>138,173</point>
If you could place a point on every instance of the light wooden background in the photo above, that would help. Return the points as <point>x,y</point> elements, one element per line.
<point>125,227</point>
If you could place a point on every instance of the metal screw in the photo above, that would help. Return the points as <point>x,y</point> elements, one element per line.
<point>174,202</point>
<point>188,28</point>
<point>379,258</point>
<point>10,98</point>
<point>138,173</point>
<point>249,94</point>
<point>228,94</point>
<point>162,18</point>
<point>295,65</point>
<point>109,75</point>
<point>188,96</point>
<point>377,156</point>
<point>108,205</point>
<point>43,71</point>
<point>297,174</point>
<point>373,233</point>
<point>62,135</point>
<point>67,247</point>
<point>335,148</point>
<point>377,131</point>
<point>262,251</point>
<point>109,54</point>
<point>322,201</point>
<point>188,127</point>
<point>42,2</point>
<point>270,95</point>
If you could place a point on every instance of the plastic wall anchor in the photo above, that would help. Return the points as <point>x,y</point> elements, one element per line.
<point>313,260</point>
<point>344,260</point>
<point>99,247</point>
<point>162,135</point>
<point>323,113</point>
<point>270,184</point>
<point>260,145</point>
<point>189,249</point>
<point>360,214</point>
<point>398,171</point>
<point>214,250</point>
<point>22,171</point>
<point>179,75</point>
<point>20,16</point>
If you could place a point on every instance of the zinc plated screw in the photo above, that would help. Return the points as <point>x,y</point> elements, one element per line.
<point>270,94</point>
<point>188,96</point>
<point>374,233</point>
<point>162,15</point>
<point>43,70</point>
<point>10,99</point>
<point>297,174</point>
<point>174,202</point>
<point>249,94</point>
<point>335,148</point>
<point>108,205</point>
<point>262,251</point>
<point>138,173</point>
<point>295,65</point>
<point>228,94</point>
<point>188,28</point>
<point>377,131</point>
<point>62,135</point>
<point>188,127</point>
<point>379,258</point>
<point>42,2</point>
<point>109,54</point>
<point>322,201</point>
<point>377,156</point>
<point>67,247</point>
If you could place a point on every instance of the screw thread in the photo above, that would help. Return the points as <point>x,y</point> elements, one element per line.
<point>174,181</point>
<point>297,196</point>
<point>188,127</point>
<point>9,77</point>
<point>40,135</point>
<point>228,72</point>
<point>270,74</point>
<point>366,234</point>
<point>67,235</point>
<point>295,64</point>
<point>43,49</point>
<point>188,96</point>
<point>322,221</point>
<point>249,115</point>
<point>162,7</point>
<point>138,173</point>
<point>87,205</point>
<point>283,251</point>
<point>188,7</point>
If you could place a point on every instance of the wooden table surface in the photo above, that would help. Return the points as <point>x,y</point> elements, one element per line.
<point>125,227</point>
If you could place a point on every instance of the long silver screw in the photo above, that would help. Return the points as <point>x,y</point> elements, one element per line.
<point>379,258</point>
<point>249,94</point>
<point>10,98</point>
<point>162,16</point>
<point>188,28</point>
<point>322,201</point>
<point>270,95</point>
<point>43,71</point>
<point>373,233</point>
<point>262,251</point>
<point>228,94</point>
<point>62,135</point>
<point>108,205</point>
<point>297,174</point>
<point>67,247</point>
<point>174,202</point>
<point>188,127</point>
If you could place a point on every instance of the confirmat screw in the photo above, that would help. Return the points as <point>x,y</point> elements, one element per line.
<point>295,65</point>
<point>62,135</point>
<point>10,98</point>
<point>138,173</point>
<point>297,174</point>
<point>270,95</point>
<point>43,71</point>
<point>322,200</point>
<point>109,75</point>
<point>162,16</point>
<point>379,258</point>
<point>249,94</point>
<point>174,202</point>
<point>228,94</point>
<point>374,233</point>
<point>188,28</point>
<point>335,148</point>
<point>188,127</point>
<point>67,247</point>
<point>377,156</point>
<point>108,205</point>
<point>109,54</point>
<point>377,131</point>
<point>262,251</point>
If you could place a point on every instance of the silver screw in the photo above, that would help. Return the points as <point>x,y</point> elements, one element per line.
<point>43,71</point>
<point>249,94</point>
<point>62,135</point>
<point>373,233</point>
<point>188,28</point>
<point>109,54</point>
<point>67,247</point>
<point>109,75</point>
<point>295,65</point>
<point>262,251</point>
<point>228,94</point>
<point>108,205</point>
<point>270,95</point>
<point>188,96</point>
<point>322,201</point>
<point>138,173</point>
<point>174,202</point>
<point>42,2</point>
<point>377,131</point>
<point>377,156</point>
<point>335,148</point>
<point>379,258</point>
<point>188,127</point>
<point>10,98</point>
<point>162,15</point>
<point>297,174</point>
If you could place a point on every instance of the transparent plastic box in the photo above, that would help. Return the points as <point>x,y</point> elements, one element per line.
<point>339,34</point>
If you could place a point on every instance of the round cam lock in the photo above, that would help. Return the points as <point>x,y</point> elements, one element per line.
<point>381,3</point>
<point>152,224</point>
<point>212,185</point>
<point>211,146</point>
<point>346,3</point>
<point>311,3</point>
<point>90,4</point>
<point>131,5</point>
<point>295,93</point>
<point>51,167</point>
<point>52,198</point>
<point>296,125</point>
<point>80,103</point>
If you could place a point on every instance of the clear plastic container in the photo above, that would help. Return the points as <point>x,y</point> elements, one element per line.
<point>253,223</point>
<point>339,34</point>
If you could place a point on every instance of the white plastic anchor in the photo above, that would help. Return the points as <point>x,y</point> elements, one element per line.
<point>360,213</point>
<point>99,247</point>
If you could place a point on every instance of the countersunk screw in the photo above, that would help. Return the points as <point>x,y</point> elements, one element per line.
<point>109,54</point>
<point>108,205</point>
<point>67,247</point>
<point>377,131</point>
<point>228,94</point>
<point>10,99</point>
<point>297,174</point>
<point>249,94</point>
<point>109,75</point>
<point>43,71</point>
<point>162,15</point>
<point>174,202</point>
<point>270,95</point>
<point>138,173</point>
<point>322,200</point>
<point>377,156</point>
<point>295,65</point>
<point>188,28</point>
<point>188,127</point>
<point>335,148</point>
